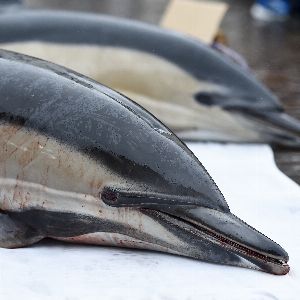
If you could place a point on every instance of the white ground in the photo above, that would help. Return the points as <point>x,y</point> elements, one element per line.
<point>256,191</point>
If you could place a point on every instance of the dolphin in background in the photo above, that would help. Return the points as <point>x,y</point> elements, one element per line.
<point>198,93</point>
<point>82,163</point>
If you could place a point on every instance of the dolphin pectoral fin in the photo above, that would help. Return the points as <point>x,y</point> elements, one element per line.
<point>119,198</point>
<point>15,234</point>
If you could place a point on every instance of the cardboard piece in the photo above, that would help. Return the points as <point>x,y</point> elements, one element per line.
<point>200,19</point>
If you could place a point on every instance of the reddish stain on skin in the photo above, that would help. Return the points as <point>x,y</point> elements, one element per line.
<point>5,203</point>
<point>44,176</point>
<point>11,145</point>
<point>98,240</point>
<point>95,183</point>
<point>85,239</point>
<point>18,195</point>
<point>32,151</point>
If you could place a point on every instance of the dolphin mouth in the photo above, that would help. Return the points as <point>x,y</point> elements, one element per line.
<point>258,259</point>
<point>205,233</point>
<point>277,128</point>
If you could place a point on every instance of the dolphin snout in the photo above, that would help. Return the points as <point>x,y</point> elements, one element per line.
<point>224,229</point>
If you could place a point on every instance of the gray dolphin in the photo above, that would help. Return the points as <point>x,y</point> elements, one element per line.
<point>82,163</point>
<point>194,90</point>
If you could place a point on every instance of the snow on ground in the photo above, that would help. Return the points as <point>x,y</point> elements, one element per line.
<point>256,191</point>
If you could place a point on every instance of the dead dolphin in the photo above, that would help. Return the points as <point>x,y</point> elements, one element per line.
<point>82,163</point>
<point>195,91</point>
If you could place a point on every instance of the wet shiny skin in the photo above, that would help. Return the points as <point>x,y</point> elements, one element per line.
<point>57,121</point>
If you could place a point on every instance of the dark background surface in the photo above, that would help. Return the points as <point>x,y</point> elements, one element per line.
<point>272,50</point>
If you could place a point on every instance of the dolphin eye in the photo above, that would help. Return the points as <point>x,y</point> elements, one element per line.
<point>109,195</point>
<point>205,98</point>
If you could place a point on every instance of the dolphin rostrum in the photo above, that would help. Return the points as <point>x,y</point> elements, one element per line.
<point>199,94</point>
<point>82,163</point>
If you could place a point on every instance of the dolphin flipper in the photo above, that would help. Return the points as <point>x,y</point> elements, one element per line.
<point>15,234</point>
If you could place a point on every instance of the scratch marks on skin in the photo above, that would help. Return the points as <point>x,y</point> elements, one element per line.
<point>10,146</point>
<point>19,146</point>
<point>31,150</point>
<point>48,152</point>
<point>28,155</point>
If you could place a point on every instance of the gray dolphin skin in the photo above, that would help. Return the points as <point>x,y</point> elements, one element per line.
<point>81,163</point>
<point>195,91</point>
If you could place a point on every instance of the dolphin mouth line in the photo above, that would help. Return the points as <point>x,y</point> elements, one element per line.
<point>231,244</point>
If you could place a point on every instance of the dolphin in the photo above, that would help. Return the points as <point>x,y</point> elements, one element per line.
<point>81,163</point>
<point>198,93</point>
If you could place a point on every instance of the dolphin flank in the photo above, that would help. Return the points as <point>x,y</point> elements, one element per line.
<point>195,91</point>
<point>82,163</point>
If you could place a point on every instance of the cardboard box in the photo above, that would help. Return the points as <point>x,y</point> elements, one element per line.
<point>200,19</point>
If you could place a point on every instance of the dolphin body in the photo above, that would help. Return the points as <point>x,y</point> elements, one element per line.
<point>196,92</point>
<point>82,163</point>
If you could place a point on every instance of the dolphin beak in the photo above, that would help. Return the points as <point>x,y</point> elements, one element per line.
<point>210,234</point>
<point>277,128</point>
<point>221,237</point>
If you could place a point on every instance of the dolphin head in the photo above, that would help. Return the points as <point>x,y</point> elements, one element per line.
<point>252,107</point>
<point>171,188</point>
